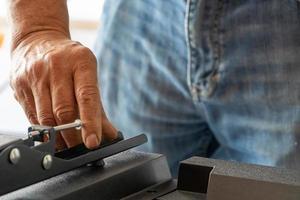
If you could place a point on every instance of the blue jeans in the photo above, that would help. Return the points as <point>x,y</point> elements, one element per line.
<point>214,78</point>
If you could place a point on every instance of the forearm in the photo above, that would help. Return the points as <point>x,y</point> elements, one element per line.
<point>33,16</point>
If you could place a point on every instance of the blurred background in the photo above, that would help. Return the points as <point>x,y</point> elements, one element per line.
<point>84,21</point>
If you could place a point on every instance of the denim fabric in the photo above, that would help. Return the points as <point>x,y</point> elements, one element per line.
<point>187,72</point>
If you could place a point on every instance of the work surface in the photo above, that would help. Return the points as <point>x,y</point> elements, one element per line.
<point>136,175</point>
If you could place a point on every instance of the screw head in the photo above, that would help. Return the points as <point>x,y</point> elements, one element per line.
<point>79,126</point>
<point>14,156</point>
<point>47,161</point>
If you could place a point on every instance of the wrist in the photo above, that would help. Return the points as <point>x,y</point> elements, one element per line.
<point>36,33</point>
<point>31,17</point>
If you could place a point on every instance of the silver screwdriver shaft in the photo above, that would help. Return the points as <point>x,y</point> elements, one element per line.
<point>38,129</point>
<point>76,124</point>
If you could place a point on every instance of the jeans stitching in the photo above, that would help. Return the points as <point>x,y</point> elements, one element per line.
<point>208,85</point>
<point>205,87</point>
<point>190,11</point>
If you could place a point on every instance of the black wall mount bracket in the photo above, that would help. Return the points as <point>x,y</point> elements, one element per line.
<point>24,162</point>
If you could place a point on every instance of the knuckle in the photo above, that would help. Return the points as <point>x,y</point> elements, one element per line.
<point>35,70</point>
<point>85,54</point>
<point>85,59</point>
<point>87,94</point>
<point>53,56</point>
<point>64,114</point>
<point>56,58</point>
<point>46,118</point>
<point>31,116</point>
<point>82,51</point>
<point>54,61</point>
<point>20,97</point>
<point>55,64</point>
<point>20,91</point>
<point>18,83</point>
<point>29,111</point>
<point>83,66</point>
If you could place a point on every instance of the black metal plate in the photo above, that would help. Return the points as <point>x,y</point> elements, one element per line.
<point>29,169</point>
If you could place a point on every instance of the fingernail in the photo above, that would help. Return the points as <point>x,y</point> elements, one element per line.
<point>92,141</point>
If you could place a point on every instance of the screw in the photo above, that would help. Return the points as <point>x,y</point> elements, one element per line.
<point>47,161</point>
<point>14,156</point>
<point>79,124</point>
<point>76,124</point>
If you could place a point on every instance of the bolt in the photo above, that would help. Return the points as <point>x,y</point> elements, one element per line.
<point>79,124</point>
<point>76,124</point>
<point>47,161</point>
<point>14,156</point>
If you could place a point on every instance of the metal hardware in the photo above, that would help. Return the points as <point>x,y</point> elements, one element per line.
<point>125,173</point>
<point>40,161</point>
<point>14,156</point>
<point>76,124</point>
<point>47,161</point>
<point>37,131</point>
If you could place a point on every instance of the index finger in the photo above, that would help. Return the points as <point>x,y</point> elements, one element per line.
<point>88,100</point>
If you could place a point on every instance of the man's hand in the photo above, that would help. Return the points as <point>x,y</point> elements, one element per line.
<point>55,81</point>
<point>53,77</point>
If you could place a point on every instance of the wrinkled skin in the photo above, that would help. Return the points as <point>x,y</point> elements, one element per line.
<point>55,81</point>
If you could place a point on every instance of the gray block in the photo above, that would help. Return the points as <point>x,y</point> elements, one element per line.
<point>224,180</point>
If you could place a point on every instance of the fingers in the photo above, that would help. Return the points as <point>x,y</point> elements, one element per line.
<point>63,101</point>
<point>88,99</point>
<point>24,96</point>
<point>42,99</point>
<point>61,87</point>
